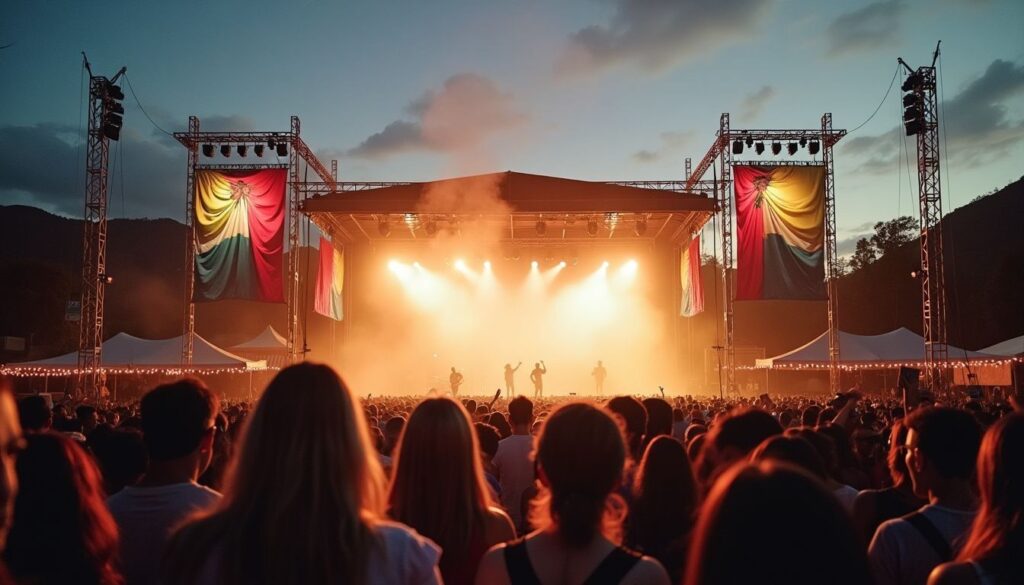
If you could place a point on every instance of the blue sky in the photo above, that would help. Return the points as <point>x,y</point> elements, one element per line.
<point>590,89</point>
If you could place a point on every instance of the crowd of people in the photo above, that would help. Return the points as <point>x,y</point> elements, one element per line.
<point>312,484</point>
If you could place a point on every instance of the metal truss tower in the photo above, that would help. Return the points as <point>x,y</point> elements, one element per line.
<point>921,117</point>
<point>103,107</point>
<point>725,207</point>
<point>831,262</point>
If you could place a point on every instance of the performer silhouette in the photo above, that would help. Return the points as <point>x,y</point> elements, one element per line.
<point>599,374</point>
<point>455,380</point>
<point>537,377</point>
<point>510,381</point>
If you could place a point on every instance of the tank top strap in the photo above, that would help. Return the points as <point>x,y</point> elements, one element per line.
<point>614,568</point>
<point>517,564</point>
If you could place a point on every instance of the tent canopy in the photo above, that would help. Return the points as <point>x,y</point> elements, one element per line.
<point>1010,347</point>
<point>898,347</point>
<point>268,340</point>
<point>124,351</point>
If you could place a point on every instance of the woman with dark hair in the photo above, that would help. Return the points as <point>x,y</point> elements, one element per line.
<point>872,507</point>
<point>62,532</point>
<point>789,530</point>
<point>438,488</point>
<point>579,457</point>
<point>665,505</point>
<point>303,501</point>
<point>993,552</point>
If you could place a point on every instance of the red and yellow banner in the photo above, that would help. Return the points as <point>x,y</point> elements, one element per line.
<point>330,281</point>
<point>780,221</point>
<point>692,301</point>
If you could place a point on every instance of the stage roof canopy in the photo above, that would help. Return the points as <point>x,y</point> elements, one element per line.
<point>900,347</point>
<point>514,203</point>
<point>127,352</point>
<point>1010,347</point>
<point>268,340</point>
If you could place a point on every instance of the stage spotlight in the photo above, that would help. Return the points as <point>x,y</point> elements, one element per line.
<point>813,147</point>
<point>258,149</point>
<point>106,278</point>
<point>487,265</point>
<point>242,150</point>
<point>431,227</point>
<point>225,149</point>
<point>592,227</point>
<point>541,228</point>
<point>641,227</point>
<point>282,149</point>
<point>791,148</point>
<point>384,228</point>
<point>803,142</point>
<point>534,265</point>
<point>208,150</point>
<point>776,148</point>
<point>750,142</point>
<point>460,265</point>
<point>417,266</point>
<point>562,264</point>
<point>604,264</point>
<point>737,147</point>
<point>759,148</point>
<point>271,144</point>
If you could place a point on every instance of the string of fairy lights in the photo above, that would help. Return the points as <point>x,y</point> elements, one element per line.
<point>883,365</point>
<point>139,371</point>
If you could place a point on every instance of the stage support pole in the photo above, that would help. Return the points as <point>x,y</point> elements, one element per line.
<point>294,302</point>
<point>831,262</point>
<point>189,316</point>
<point>726,207</point>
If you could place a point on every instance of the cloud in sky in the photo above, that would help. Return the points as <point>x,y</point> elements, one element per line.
<point>874,26</point>
<point>656,35</point>
<point>753,103</point>
<point>977,122</point>
<point>462,117</point>
<point>670,143</point>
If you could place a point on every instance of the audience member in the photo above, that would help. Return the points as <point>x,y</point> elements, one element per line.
<point>580,458</point>
<point>304,501</point>
<point>659,418</point>
<point>872,507</point>
<point>438,488</point>
<point>633,415</point>
<point>512,461</point>
<point>35,415</point>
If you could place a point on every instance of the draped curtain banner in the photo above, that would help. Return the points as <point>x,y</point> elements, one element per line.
<point>692,302</point>
<point>330,280</point>
<point>240,235</point>
<point>780,220</point>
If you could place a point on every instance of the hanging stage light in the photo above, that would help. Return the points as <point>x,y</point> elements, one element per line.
<point>592,227</point>
<point>803,142</point>
<point>750,142</point>
<point>759,148</point>
<point>776,148</point>
<point>384,228</point>
<point>282,149</point>
<point>813,147</point>
<point>258,149</point>
<point>242,150</point>
<point>271,144</point>
<point>225,150</point>
<point>541,227</point>
<point>791,148</point>
<point>641,227</point>
<point>208,150</point>
<point>737,147</point>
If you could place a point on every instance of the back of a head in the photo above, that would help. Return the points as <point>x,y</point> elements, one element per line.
<point>794,450</point>
<point>659,418</point>
<point>520,411</point>
<point>666,494</point>
<point>306,449</point>
<point>175,417</point>
<point>823,444</point>
<point>488,437</point>
<point>809,417</point>
<point>437,484</point>
<point>34,414</point>
<point>895,457</point>
<point>634,416</point>
<point>789,528</point>
<point>743,430</point>
<point>581,454</point>
<point>948,437</point>
<point>60,506</point>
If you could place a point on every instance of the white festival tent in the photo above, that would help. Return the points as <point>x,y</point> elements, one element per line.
<point>900,347</point>
<point>268,340</point>
<point>127,353</point>
<point>1010,347</point>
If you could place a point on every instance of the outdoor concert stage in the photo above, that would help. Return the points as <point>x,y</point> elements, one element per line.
<point>476,272</point>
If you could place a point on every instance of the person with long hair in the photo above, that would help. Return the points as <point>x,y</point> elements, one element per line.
<point>994,549</point>
<point>580,457</point>
<point>872,507</point>
<point>62,532</point>
<point>438,488</point>
<point>303,501</point>
<point>664,506</point>
<point>773,523</point>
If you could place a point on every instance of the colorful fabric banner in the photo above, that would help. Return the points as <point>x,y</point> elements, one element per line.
<point>780,220</point>
<point>240,235</point>
<point>689,275</point>
<point>330,281</point>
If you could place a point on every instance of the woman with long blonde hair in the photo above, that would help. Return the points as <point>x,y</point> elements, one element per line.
<point>303,501</point>
<point>580,456</point>
<point>438,488</point>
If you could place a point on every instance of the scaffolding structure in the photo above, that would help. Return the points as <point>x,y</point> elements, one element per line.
<point>102,105</point>
<point>721,153</point>
<point>298,152</point>
<point>922,119</point>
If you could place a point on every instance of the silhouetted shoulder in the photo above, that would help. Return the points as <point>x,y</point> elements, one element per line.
<point>953,574</point>
<point>492,567</point>
<point>647,572</point>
